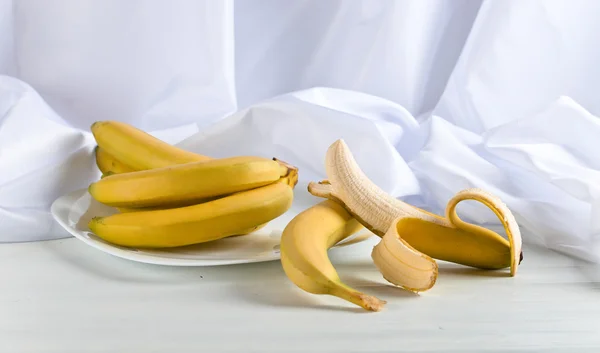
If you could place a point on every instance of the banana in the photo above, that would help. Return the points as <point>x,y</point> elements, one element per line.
<point>251,230</point>
<point>224,217</point>
<point>187,183</point>
<point>163,207</point>
<point>444,238</point>
<point>108,164</point>
<point>138,149</point>
<point>242,232</point>
<point>304,244</point>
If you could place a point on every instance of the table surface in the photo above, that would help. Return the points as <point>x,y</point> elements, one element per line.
<point>63,296</point>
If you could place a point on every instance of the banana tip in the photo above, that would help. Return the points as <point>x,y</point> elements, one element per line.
<point>338,142</point>
<point>106,174</point>
<point>93,222</point>
<point>372,303</point>
<point>95,124</point>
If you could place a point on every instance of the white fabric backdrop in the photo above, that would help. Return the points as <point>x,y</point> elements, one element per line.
<point>439,95</point>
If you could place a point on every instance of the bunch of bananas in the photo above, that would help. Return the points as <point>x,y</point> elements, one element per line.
<point>169,197</point>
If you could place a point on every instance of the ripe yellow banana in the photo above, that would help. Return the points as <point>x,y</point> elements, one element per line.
<point>187,183</point>
<point>304,245</point>
<point>138,149</point>
<point>224,217</point>
<point>163,207</point>
<point>448,238</point>
<point>157,208</point>
<point>110,165</point>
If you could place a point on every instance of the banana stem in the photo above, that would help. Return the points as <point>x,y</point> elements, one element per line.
<point>289,173</point>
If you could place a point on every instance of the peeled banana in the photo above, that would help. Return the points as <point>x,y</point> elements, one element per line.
<point>138,149</point>
<point>187,183</point>
<point>227,216</point>
<point>448,238</point>
<point>304,245</point>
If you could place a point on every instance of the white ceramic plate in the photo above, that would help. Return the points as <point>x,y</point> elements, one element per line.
<point>74,210</point>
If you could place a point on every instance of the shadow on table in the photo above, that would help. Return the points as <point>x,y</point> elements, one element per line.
<point>444,269</point>
<point>471,272</point>
<point>381,289</point>
<point>287,295</point>
<point>279,291</point>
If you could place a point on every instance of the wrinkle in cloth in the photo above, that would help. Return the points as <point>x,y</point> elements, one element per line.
<point>431,96</point>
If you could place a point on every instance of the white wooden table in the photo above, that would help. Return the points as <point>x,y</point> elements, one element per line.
<point>63,296</point>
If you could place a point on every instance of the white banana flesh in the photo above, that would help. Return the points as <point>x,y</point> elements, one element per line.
<point>375,208</point>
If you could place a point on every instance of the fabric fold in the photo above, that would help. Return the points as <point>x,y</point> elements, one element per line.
<point>432,97</point>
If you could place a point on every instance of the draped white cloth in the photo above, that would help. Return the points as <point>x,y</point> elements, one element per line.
<point>431,96</point>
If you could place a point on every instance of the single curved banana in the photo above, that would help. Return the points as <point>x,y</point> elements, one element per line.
<point>138,149</point>
<point>187,183</point>
<point>448,239</point>
<point>158,208</point>
<point>108,164</point>
<point>224,217</point>
<point>304,244</point>
<point>165,207</point>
